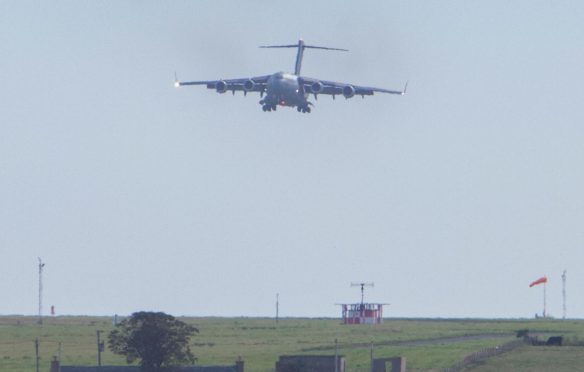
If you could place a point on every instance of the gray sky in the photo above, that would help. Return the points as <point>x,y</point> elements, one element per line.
<point>140,196</point>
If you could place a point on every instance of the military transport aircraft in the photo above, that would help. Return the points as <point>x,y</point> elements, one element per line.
<point>285,89</point>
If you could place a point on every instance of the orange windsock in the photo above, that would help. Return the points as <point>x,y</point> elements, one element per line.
<point>541,280</point>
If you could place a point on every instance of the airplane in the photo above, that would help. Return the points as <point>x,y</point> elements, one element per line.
<point>286,89</point>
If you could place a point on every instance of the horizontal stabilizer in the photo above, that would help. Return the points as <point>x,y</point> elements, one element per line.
<point>304,46</point>
<point>301,46</point>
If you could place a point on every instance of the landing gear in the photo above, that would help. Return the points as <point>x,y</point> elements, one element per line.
<point>267,105</point>
<point>271,105</point>
<point>269,108</point>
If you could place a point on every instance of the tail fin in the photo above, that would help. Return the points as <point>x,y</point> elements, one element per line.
<point>301,46</point>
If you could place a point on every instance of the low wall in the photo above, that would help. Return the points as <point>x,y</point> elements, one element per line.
<point>310,363</point>
<point>484,354</point>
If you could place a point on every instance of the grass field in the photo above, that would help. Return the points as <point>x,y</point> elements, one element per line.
<point>428,344</point>
<point>536,359</point>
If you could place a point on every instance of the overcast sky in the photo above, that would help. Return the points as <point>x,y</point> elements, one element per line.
<point>140,196</point>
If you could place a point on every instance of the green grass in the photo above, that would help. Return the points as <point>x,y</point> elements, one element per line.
<point>260,341</point>
<point>536,359</point>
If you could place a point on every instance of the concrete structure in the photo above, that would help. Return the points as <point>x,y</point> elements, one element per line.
<point>362,313</point>
<point>310,363</point>
<point>237,367</point>
<point>137,369</point>
<point>398,364</point>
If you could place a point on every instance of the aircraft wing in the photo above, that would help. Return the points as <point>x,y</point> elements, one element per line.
<point>316,86</point>
<point>253,84</point>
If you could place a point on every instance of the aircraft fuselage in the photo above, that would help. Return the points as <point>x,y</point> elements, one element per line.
<point>284,89</point>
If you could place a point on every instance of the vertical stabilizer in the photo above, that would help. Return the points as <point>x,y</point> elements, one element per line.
<point>299,56</point>
<point>300,53</point>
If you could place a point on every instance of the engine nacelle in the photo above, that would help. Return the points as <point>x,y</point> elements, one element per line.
<point>316,87</point>
<point>221,86</point>
<point>248,85</point>
<point>348,91</point>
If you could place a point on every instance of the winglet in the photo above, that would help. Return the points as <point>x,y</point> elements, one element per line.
<point>176,83</point>
<point>405,88</point>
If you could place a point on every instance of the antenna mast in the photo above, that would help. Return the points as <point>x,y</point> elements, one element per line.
<point>277,307</point>
<point>41,265</point>
<point>564,294</point>
<point>362,285</point>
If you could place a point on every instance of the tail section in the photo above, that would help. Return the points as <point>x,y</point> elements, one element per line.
<point>300,53</point>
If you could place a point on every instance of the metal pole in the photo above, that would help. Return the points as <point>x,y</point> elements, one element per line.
<point>564,295</point>
<point>36,352</point>
<point>41,265</point>
<point>98,349</point>
<point>544,287</point>
<point>336,356</point>
<point>60,350</point>
<point>371,356</point>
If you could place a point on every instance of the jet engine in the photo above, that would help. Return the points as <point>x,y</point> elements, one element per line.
<point>316,87</point>
<point>221,86</point>
<point>348,91</point>
<point>248,85</point>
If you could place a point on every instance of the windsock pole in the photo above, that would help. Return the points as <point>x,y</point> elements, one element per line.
<point>544,287</point>
<point>543,280</point>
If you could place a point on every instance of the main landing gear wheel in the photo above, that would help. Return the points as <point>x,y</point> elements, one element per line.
<point>269,108</point>
<point>303,109</point>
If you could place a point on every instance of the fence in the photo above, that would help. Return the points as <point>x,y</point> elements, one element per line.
<point>484,354</point>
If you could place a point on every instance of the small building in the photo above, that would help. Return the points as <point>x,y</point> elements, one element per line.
<point>362,313</point>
